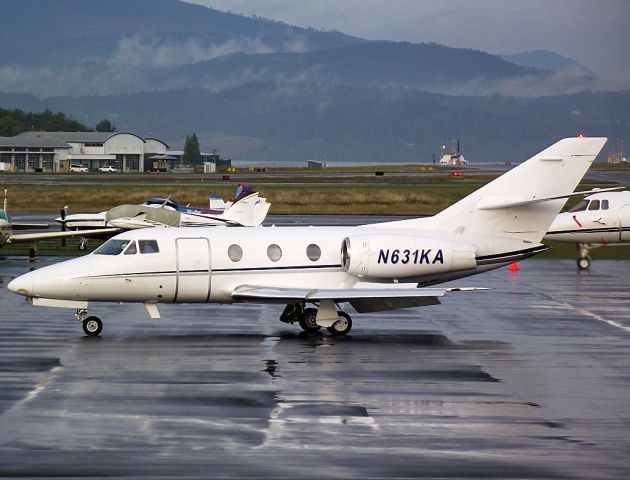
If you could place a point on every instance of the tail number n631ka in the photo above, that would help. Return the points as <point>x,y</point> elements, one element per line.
<point>415,257</point>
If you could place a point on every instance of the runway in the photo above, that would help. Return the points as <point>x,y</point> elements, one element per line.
<point>528,380</point>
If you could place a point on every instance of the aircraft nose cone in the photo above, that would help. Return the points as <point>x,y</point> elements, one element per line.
<point>22,285</point>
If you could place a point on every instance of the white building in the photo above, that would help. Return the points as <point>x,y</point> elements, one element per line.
<point>56,151</point>
<point>452,155</point>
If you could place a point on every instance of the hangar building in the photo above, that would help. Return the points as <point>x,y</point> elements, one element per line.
<point>56,151</point>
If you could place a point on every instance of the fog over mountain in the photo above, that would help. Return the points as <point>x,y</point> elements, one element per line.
<point>258,89</point>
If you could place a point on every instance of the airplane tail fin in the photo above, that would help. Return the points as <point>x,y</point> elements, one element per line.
<point>523,202</point>
<point>249,211</point>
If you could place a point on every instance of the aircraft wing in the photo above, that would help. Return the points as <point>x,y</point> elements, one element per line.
<point>368,299</point>
<point>31,237</point>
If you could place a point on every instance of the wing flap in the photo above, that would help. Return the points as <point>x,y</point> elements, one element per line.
<point>371,299</point>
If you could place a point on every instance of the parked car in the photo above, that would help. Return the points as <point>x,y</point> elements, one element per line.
<point>108,169</point>
<point>79,168</point>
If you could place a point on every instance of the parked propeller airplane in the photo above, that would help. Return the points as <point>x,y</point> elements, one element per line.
<point>598,220</point>
<point>373,267</point>
<point>7,227</point>
<point>247,209</point>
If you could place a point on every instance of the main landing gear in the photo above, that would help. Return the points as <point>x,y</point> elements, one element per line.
<point>92,325</point>
<point>336,322</point>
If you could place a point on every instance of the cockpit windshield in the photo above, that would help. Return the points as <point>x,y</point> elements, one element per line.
<point>161,202</point>
<point>579,207</point>
<point>112,247</point>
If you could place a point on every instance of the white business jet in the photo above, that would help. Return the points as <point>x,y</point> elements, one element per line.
<point>598,220</point>
<point>312,269</point>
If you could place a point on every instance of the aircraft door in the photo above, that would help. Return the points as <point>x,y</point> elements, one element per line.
<point>193,270</point>
<point>624,223</point>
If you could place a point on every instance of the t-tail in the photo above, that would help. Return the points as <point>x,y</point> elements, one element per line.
<point>522,203</point>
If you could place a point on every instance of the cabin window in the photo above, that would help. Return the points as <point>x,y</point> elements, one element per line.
<point>235,253</point>
<point>604,204</point>
<point>313,252</point>
<point>580,207</point>
<point>112,247</point>
<point>131,249</point>
<point>148,246</point>
<point>274,252</point>
<point>594,205</point>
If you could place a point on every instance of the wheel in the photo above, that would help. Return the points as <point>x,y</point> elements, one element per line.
<point>341,326</point>
<point>82,246</point>
<point>92,326</point>
<point>307,320</point>
<point>583,263</point>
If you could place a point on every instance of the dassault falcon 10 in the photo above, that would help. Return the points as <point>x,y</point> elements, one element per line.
<point>600,219</point>
<point>375,267</point>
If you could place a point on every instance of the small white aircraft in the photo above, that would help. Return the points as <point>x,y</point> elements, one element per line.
<point>247,210</point>
<point>373,267</point>
<point>7,227</point>
<point>598,220</point>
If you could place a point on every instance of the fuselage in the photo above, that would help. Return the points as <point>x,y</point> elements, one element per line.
<point>201,264</point>
<point>601,218</point>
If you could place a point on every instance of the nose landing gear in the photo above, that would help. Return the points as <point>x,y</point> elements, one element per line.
<point>92,326</point>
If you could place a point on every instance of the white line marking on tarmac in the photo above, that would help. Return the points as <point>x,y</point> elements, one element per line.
<point>594,316</point>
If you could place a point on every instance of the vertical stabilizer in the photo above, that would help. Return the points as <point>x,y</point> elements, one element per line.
<point>249,211</point>
<point>553,172</point>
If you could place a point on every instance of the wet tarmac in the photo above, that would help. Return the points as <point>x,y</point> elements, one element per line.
<point>528,380</point>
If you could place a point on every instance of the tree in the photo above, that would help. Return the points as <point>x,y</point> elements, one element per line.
<point>105,126</point>
<point>14,122</point>
<point>192,154</point>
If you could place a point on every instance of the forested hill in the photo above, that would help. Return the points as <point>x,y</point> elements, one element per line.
<point>276,122</point>
<point>45,32</point>
<point>400,64</point>
<point>261,90</point>
<point>83,47</point>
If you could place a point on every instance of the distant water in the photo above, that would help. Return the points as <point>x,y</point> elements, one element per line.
<point>247,163</point>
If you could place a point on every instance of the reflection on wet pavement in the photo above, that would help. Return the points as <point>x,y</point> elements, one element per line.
<point>528,380</point>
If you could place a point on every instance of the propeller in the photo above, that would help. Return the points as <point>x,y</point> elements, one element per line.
<point>62,213</point>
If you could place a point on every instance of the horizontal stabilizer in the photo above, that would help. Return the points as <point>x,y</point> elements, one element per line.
<point>493,204</point>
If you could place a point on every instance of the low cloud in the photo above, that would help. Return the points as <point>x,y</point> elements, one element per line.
<point>149,51</point>
<point>541,85</point>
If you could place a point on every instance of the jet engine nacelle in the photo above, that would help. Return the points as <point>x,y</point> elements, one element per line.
<point>400,256</point>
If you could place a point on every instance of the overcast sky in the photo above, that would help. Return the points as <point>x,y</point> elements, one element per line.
<point>594,32</point>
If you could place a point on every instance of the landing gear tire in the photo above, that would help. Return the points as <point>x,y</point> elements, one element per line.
<point>92,326</point>
<point>583,263</point>
<point>82,245</point>
<point>307,320</point>
<point>341,326</point>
